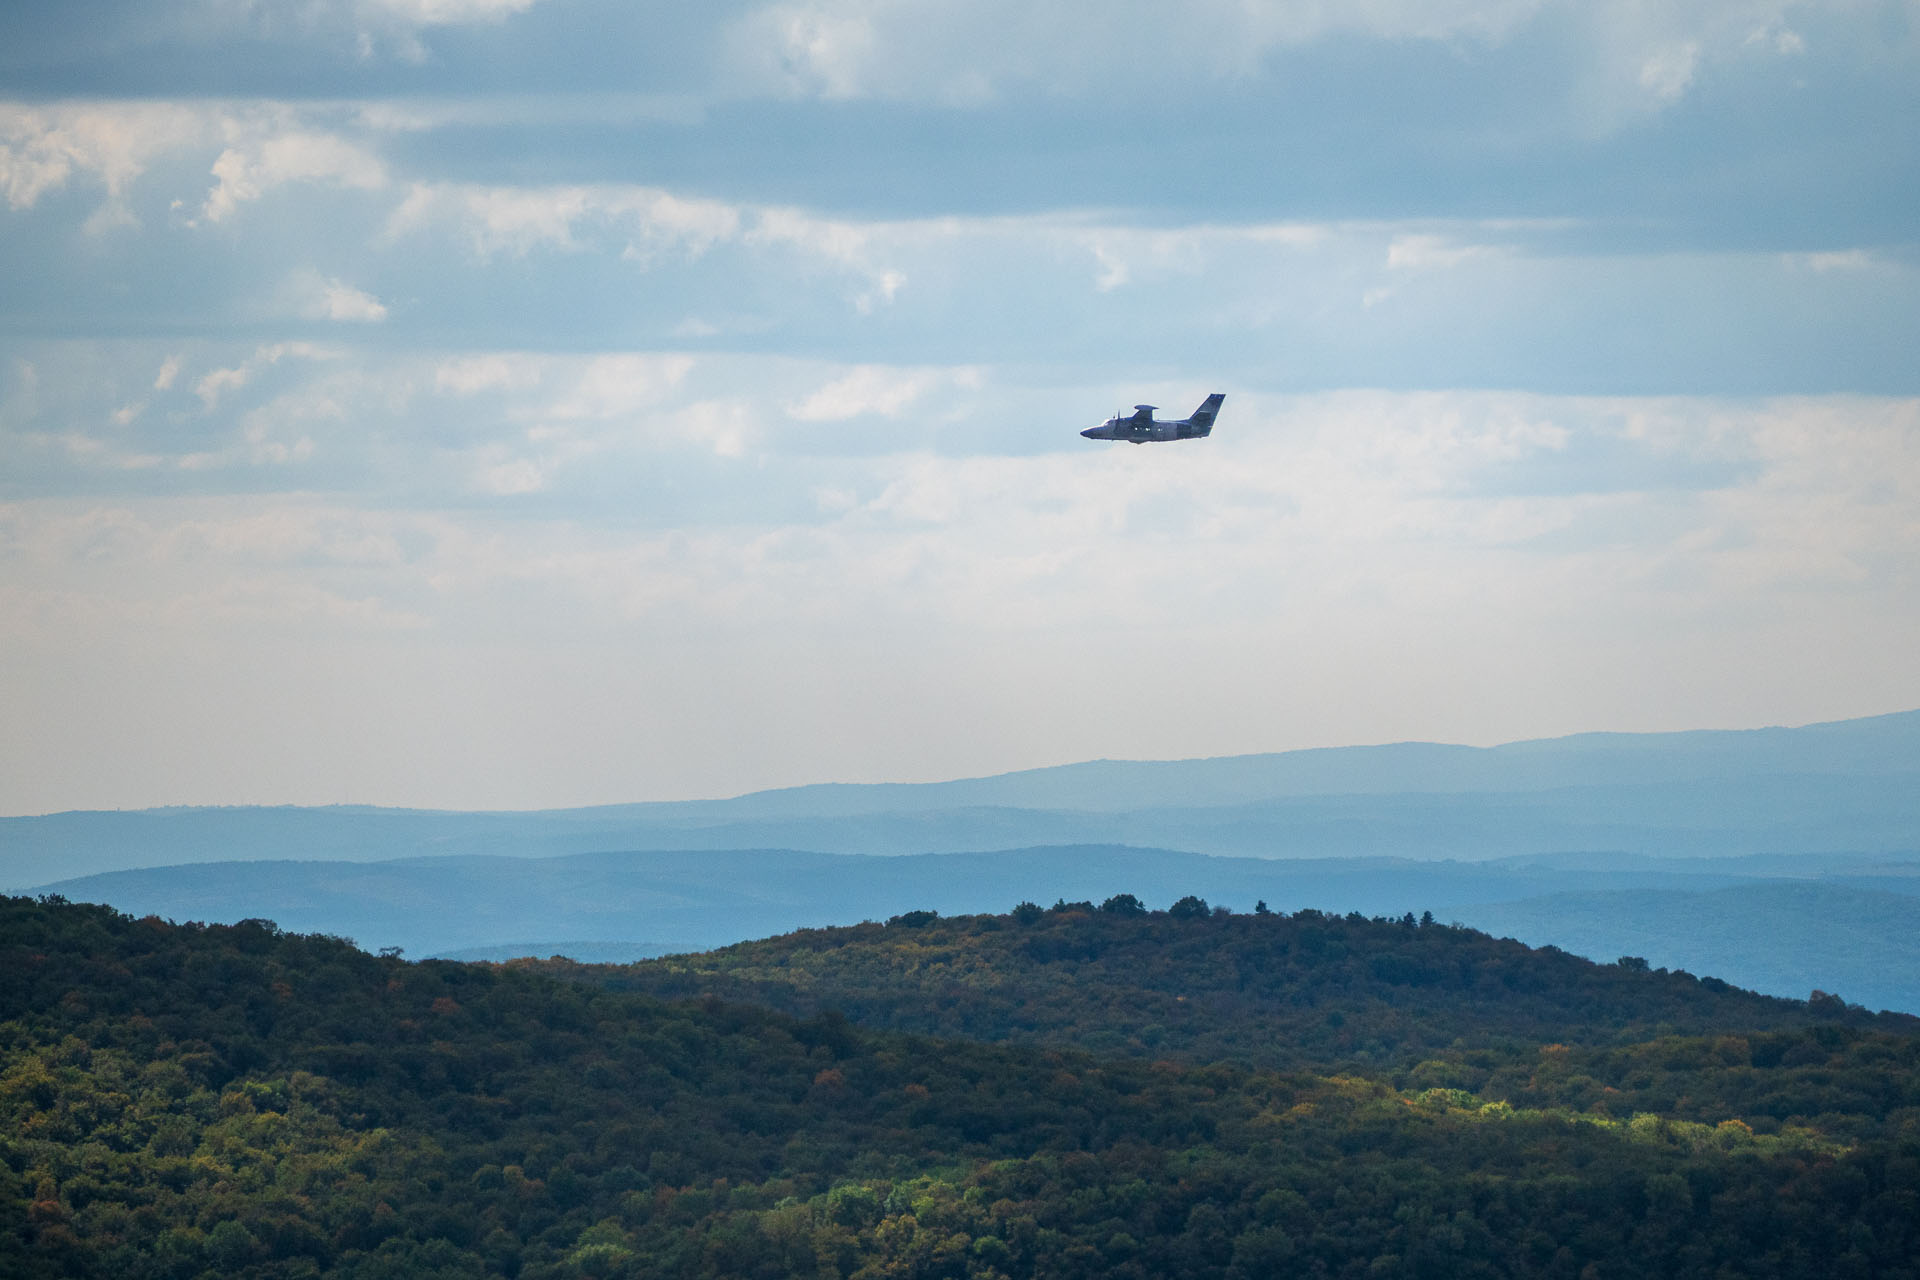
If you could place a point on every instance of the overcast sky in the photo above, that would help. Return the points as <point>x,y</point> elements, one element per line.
<point>519,403</point>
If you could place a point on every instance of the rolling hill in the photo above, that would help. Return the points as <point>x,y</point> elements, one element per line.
<point>1269,990</point>
<point>240,1101</point>
<point>1783,925</point>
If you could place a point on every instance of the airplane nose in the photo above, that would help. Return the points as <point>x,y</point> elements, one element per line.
<point>1088,433</point>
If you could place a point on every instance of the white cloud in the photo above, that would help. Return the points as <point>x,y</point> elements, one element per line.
<point>438,13</point>
<point>837,239</point>
<point>507,477</point>
<point>42,147</point>
<point>169,370</point>
<point>659,221</point>
<point>285,430</point>
<point>1637,56</point>
<point>249,170</point>
<point>517,220</point>
<point>495,219</point>
<point>644,225</point>
<point>92,453</point>
<point>961,53</point>
<point>852,246</point>
<point>617,386</point>
<point>812,50</point>
<point>111,215</point>
<point>1127,255</point>
<point>724,426</point>
<point>1642,58</point>
<point>218,382</point>
<point>262,448</point>
<point>470,375</point>
<point>1422,250</point>
<point>261,145</point>
<point>332,299</point>
<point>870,389</point>
<point>1667,71</point>
<point>1833,260</point>
<point>373,27</point>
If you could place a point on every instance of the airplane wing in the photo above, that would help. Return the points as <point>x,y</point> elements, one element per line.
<point>1143,414</point>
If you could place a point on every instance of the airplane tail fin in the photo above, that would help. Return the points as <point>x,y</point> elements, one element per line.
<point>1203,416</point>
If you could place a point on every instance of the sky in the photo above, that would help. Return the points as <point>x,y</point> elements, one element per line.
<point>529,403</point>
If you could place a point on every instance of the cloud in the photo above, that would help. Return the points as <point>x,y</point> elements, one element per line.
<point>1667,71</point>
<point>250,170</point>
<point>278,433</point>
<point>647,226</point>
<point>1322,557</point>
<point>438,13</point>
<point>504,476</point>
<point>1640,59</point>
<point>970,52</point>
<point>373,27</point>
<point>518,220</point>
<point>914,244</point>
<point>1423,250</point>
<point>724,426</point>
<point>872,389</point>
<point>262,146</point>
<point>204,565</point>
<point>850,245</point>
<point>327,298</point>
<point>1833,260</point>
<point>112,215</point>
<point>218,382</point>
<point>497,371</point>
<point>43,146</point>
<point>813,50</point>
<point>617,386</point>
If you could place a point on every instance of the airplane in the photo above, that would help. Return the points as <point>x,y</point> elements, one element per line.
<point>1141,426</point>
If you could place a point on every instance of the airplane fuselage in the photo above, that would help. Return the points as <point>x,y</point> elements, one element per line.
<point>1141,433</point>
<point>1141,427</point>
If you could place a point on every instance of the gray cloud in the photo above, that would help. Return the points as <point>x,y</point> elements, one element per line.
<point>536,387</point>
<point>1337,558</point>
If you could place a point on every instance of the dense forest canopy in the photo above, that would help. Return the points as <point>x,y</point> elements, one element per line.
<point>1270,989</point>
<point>183,1101</point>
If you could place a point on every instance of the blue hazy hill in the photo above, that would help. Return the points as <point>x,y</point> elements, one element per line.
<point>1840,923</point>
<point>1853,937</point>
<point>1851,786</point>
<point>1875,746</point>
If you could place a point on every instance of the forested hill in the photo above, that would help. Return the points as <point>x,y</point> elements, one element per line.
<point>1270,989</point>
<point>181,1101</point>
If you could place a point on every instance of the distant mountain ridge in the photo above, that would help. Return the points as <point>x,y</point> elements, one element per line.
<point>1693,849</point>
<point>1842,925</point>
<point>1869,746</point>
<point>1844,786</point>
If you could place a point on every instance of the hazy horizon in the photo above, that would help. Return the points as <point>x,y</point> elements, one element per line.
<point>984,775</point>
